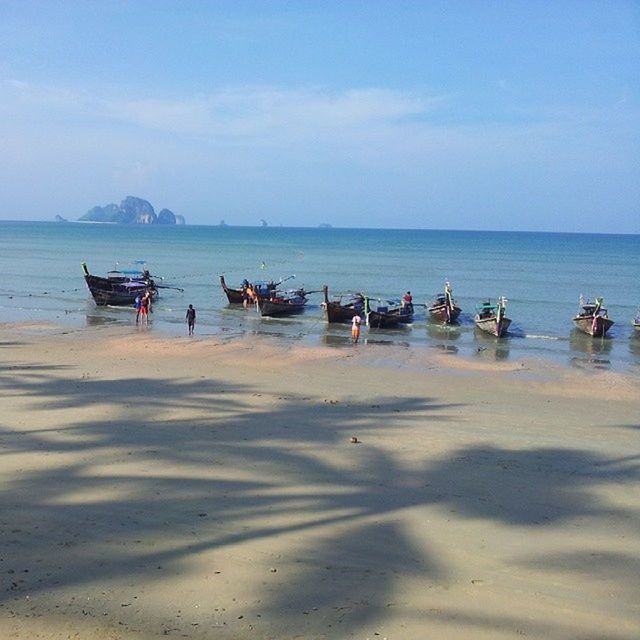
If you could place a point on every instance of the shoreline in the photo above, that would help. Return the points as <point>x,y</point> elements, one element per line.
<point>374,349</point>
<point>205,487</point>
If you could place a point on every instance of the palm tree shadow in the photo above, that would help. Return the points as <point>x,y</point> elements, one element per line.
<point>160,485</point>
<point>528,487</point>
<point>347,582</point>
<point>614,570</point>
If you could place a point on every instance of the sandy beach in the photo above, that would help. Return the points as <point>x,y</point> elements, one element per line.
<point>157,486</point>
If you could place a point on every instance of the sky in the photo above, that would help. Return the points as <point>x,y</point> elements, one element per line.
<point>483,115</point>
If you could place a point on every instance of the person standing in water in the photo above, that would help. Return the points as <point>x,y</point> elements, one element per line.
<point>355,328</point>
<point>145,307</point>
<point>191,319</point>
<point>137,304</point>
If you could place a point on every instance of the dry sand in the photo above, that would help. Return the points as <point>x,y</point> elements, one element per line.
<point>194,488</point>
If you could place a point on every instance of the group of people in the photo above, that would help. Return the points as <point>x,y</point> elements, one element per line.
<point>251,292</point>
<point>143,306</point>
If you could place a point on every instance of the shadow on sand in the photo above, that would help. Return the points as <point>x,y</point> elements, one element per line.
<point>52,540</point>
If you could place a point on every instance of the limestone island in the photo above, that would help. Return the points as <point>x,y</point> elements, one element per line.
<point>131,210</point>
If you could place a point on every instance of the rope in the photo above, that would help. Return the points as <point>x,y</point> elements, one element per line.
<point>43,293</point>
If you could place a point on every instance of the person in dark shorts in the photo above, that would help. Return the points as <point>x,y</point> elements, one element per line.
<point>191,319</point>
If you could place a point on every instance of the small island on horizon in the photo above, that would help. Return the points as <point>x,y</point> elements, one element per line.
<point>131,210</point>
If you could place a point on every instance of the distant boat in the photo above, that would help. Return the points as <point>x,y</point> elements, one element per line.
<point>593,318</point>
<point>119,288</point>
<point>443,308</point>
<point>344,308</point>
<point>282,304</point>
<point>491,317</point>
<point>387,316</point>
<point>636,323</point>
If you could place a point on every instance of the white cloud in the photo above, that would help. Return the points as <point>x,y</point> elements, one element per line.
<point>18,84</point>
<point>267,148</point>
<point>240,111</point>
<point>259,111</point>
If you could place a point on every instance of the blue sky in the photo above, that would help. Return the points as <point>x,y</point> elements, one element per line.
<point>458,115</point>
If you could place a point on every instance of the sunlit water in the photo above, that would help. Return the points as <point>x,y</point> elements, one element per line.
<point>541,274</point>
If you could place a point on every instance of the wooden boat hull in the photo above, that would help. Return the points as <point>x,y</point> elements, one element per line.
<point>334,312</point>
<point>234,296</point>
<point>117,292</point>
<point>636,326</point>
<point>497,329</point>
<point>378,320</point>
<point>385,319</point>
<point>272,308</point>
<point>440,313</point>
<point>238,296</point>
<point>594,326</point>
<point>107,293</point>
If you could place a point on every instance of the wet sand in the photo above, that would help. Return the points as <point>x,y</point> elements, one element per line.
<point>204,488</point>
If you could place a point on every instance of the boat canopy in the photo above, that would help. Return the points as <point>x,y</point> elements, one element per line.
<point>127,272</point>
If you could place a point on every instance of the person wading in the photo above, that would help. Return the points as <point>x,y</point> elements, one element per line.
<point>191,319</point>
<point>355,328</point>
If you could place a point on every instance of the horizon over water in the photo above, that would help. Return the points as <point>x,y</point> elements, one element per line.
<point>542,274</point>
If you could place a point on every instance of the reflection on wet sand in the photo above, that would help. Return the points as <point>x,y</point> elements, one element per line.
<point>398,335</point>
<point>444,334</point>
<point>596,350</point>
<point>376,340</point>
<point>584,343</point>
<point>490,346</point>
<point>634,343</point>
<point>103,318</point>
<point>444,331</point>
<point>447,348</point>
<point>336,339</point>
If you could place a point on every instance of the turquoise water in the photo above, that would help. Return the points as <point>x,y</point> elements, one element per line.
<point>541,274</point>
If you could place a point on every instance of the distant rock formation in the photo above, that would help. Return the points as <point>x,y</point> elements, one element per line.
<point>60,219</point>
<point>166,217</point>
<point>263,222</point>
<point>131,210</point>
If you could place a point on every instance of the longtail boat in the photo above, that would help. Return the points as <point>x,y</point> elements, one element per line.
<point>593,318</point>
<point>119,288</point>
<point>234,296</point>
<point>282,304</point>
<point>250,291</point>
<point>491,317</point>
<point>342,310</point>
<point>387,316</point>
<point>443,308</point>
<point>636,323</point>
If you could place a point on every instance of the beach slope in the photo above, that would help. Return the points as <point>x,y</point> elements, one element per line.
<point>200,488</point>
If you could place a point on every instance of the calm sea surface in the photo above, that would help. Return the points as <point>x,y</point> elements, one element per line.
<point>541,274</point>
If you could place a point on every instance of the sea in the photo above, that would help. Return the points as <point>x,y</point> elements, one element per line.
<point>542,275</point>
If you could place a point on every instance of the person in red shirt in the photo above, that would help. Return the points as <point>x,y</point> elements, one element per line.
<point>145,306</point>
